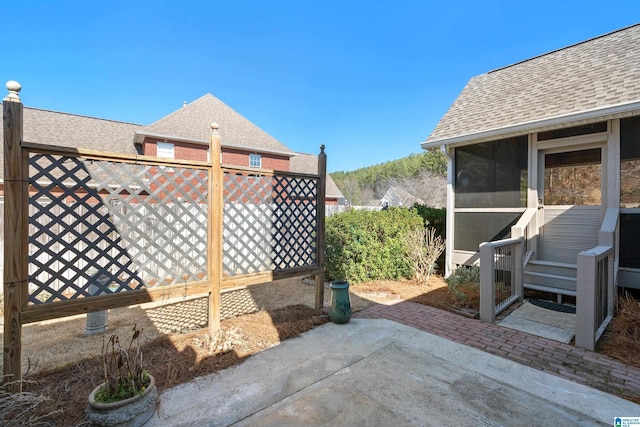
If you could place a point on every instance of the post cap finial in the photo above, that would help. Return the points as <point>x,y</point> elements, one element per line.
<point>214,127</point>
<point>14,88</point>
<point>322,148</point>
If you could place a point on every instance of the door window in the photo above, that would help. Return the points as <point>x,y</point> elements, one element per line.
<point>573,178</point>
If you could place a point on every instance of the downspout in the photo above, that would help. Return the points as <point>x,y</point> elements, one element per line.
<point>448,266</point>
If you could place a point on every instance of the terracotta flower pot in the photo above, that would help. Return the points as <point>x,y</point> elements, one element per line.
<point>132,412</point>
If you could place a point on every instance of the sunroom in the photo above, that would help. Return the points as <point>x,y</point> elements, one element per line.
<point>544,175</point>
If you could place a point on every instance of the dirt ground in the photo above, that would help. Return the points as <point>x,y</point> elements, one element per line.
<point>64,364</point>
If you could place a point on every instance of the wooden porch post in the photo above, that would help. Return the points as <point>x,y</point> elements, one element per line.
<point>16,217</point>
<point>215,218</point>
<point>320,242</point>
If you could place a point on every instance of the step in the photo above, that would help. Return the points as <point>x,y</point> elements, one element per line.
<point>549,289</point>
<point>554,268</point>
<point>549,280</point>
<point>552,263</point>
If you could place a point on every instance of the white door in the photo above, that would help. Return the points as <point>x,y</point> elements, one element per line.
<point>570,202</point>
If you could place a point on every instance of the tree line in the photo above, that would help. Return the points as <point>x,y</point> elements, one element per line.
<point>422,174</point>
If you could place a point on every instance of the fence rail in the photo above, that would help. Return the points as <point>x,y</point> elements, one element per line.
<point>500,276</point>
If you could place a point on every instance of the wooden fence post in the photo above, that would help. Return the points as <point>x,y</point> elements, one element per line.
<point>320,242</point>
<point>215,218</point>
<point>16,211</point>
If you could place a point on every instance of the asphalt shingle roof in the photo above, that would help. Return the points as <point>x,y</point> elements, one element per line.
<point>193,122</point>
<point>71,130</point>
<point>598,73</point>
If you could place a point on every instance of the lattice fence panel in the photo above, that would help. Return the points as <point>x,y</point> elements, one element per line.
<point>269,222</point>
<point>100,227</point>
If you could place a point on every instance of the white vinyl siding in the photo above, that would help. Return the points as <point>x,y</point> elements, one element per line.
<point>569,230</point>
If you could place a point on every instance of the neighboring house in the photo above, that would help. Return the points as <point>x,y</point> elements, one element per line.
<point>183,134</point>
<point>396,196</point>
<point>550,144</point>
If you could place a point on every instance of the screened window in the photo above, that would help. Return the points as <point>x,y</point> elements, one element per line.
<point>630,240</point>
<point>255,160</point>
<point>492,174</point>
<point>473,228</point>
<point>630,162</point>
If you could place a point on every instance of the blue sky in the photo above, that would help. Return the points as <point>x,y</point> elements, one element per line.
<point>370,80</point>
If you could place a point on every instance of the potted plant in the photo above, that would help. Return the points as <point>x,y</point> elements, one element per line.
<point>128,395</point>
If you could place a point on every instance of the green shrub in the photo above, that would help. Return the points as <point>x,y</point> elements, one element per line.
<point>365,245</point>
<point>434,218</point>
<point>464,277</point>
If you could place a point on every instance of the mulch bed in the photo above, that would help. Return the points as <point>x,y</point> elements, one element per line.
<point>173,359</point>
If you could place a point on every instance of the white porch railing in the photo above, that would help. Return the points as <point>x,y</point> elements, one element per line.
<point>607,236</point>
<point>526,228</point>
<point>596,283</point>
<point>500,276</point>
<point>595,295</point>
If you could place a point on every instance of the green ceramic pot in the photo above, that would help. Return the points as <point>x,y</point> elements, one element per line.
<point>340,310</point>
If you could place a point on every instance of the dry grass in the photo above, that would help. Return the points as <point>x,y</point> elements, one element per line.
<point>621,339</point>
<point>21,409</point>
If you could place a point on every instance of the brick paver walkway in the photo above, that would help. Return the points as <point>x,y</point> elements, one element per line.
<point>581,366</point>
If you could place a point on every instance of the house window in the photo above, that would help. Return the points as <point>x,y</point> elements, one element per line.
<point>255,160</point>
<point>165,149</point>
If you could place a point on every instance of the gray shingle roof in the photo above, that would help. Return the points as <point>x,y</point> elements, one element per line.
<point>193,122</point>
<point>70,130</point>
<point>598,73</point>
<point>308,163</point>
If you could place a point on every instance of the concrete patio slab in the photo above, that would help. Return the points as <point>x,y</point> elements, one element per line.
<point>378,372</point>
<point>541,322</point>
